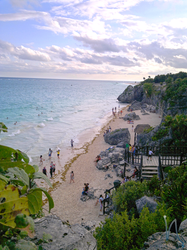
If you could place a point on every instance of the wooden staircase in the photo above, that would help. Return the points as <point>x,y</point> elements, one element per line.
<point>149,167</point>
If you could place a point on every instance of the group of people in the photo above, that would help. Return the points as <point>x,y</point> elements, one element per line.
<point>51,170</point>
<point>132,149</point>
<point>85,189</point>
<point>108,130</point>
<point>114,111</point>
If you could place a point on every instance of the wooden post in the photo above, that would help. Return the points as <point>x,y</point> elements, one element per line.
<point>124,169</point>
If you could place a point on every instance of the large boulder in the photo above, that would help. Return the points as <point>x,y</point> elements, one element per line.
<point>127,96</point>
<point>134,106</point>
<point>105,161</point>
<point>146,201</point>
<point>117,136</point>
<point>131,116</point>
<point>63,236</point>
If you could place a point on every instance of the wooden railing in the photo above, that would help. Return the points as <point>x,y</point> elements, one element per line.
<point>169,156</point>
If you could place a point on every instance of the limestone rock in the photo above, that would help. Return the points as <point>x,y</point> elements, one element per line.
<point>63,236</point>
<point>127,96</point>
<point>131,116</point>
<point>117,136</point>
<point>135,105</point>
<point>146,201</point>
<point>183,227</point>
<point>158,241</point>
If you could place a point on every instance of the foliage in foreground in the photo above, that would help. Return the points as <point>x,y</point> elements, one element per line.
<point>20,198</point>
<point>127,229</point>
<point>176,127</point>
<point>120,232</point>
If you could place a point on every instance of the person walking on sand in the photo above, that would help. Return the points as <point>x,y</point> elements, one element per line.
<point>72,141</point>
<point>100,201</point>
<point>71,177</point>
<point>41,160</point>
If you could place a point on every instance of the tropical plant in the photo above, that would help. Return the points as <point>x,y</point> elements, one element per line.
<point>174,194</point>
<point>20,196</point>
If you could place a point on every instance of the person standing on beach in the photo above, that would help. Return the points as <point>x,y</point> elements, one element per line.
<point>50,153</point>
<point>44,171</point>
<point>51,169</point>
<point>72,141</point>
<point>58,153</point>
<point>71,177</point>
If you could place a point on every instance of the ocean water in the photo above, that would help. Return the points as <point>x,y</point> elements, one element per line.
<point>47,113</point>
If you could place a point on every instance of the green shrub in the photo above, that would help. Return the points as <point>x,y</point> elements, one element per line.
<point>148,89</point>
<point>126,195</point>
<point>174,193</point>
<point>154,186</point>
<point>120,232</point>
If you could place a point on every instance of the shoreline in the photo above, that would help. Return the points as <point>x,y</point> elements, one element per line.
<point>66,196</point>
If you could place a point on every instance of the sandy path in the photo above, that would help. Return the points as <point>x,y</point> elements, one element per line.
<point>68,205</point>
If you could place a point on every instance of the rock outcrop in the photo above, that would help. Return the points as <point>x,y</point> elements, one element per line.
<point>131,116</point>
<point>127,96</point>
<point>146,201</point>
<point>118,136</point>
<point>62,235</point>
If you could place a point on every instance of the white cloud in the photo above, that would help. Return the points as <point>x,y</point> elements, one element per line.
<point>23,52</point>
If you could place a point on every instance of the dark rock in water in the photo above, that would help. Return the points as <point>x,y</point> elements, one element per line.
<point>131,116</point>
<point>63,235</point>
<point>146,201</point>
<point>3,127</point>
<point>127,96</point>
<point>117,136</point>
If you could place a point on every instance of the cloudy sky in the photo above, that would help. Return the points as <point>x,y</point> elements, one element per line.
<point>92,39</point>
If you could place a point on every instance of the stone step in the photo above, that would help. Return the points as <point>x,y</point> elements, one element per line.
<point>147,176</point>
<point>149,168</point>
<point>149,172</point>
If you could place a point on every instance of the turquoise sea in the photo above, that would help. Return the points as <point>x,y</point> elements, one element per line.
<point>47,113</point>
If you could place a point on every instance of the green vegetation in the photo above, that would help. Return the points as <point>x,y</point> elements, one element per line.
<point>3,127</point>
<point>21,198</point>
<point>148,89</point>
<point>176,127</point>
<point>175,91</point>
<point>148,130</point>
<point>128,229</point>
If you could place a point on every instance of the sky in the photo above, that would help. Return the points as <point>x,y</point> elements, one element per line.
<point>92,39</point>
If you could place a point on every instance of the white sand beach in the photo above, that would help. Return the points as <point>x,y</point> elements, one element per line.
<point>66,196</point>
